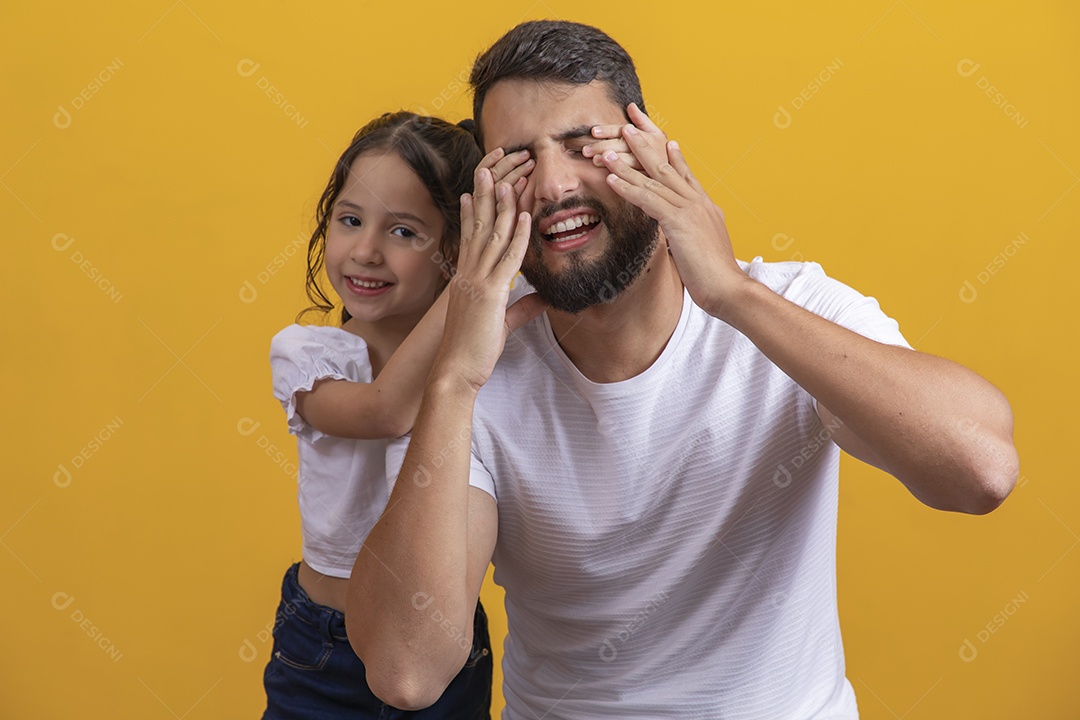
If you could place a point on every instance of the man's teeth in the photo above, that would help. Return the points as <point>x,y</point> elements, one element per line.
<point>371,285</point>
<point>572,224</point>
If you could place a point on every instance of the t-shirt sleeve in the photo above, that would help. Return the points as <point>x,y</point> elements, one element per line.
<point>300,356</point>
<point>831,299</point>
<point>479,477</point>
<point>807,285</point>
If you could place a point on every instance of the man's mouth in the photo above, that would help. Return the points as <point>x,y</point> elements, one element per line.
<point>570,228</point>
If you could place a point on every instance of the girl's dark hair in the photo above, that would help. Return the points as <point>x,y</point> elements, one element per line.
<point>441,154</point>
<point>556,50</point>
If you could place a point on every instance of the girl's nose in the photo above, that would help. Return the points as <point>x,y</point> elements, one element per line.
<point>367,249</point>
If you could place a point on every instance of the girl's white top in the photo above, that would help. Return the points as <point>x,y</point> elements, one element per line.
<point>342,482</point>
<point>343,489</point>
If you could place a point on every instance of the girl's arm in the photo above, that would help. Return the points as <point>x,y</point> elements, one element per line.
<point>386,407</point>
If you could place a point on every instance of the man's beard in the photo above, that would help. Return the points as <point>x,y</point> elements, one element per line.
<point>632,239</point>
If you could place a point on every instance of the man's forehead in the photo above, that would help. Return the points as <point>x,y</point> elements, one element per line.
<point>519,113</point>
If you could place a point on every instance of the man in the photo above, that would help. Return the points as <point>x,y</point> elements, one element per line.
<point>651,464</point>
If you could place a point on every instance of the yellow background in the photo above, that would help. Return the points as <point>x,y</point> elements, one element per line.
<point>179,181</point>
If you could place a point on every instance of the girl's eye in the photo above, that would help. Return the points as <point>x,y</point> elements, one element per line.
<point>350,220</point>
<point>404,232</point>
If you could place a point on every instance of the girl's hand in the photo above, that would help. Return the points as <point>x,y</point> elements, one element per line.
<point>692,223</point>
<point>512,169</point>
<point>611,139</point>
<point>493,242</point>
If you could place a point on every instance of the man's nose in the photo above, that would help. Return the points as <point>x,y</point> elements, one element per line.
<point>554,177</point>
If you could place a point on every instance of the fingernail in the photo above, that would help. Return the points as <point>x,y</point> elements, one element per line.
<point>501,190</point>
<point>610,155</point>
<point>630,130</point>
<point>464,199</point>
<point>674,145</point>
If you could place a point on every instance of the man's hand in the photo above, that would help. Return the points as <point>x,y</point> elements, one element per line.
<point>693,225</point>
<point>493,243</point>
<point>609,137</point>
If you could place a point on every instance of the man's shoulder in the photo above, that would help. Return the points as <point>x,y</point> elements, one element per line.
<point>526,348</point>
<point>780,275</point>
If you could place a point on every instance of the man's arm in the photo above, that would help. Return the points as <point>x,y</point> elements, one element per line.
<point>941,429</point>
<point>415,584</point>
<point>418,575</point>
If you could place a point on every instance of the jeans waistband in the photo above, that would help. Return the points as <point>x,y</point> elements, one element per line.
<point>297,604</point>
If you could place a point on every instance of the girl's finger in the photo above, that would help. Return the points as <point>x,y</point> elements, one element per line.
<point>519,186</point>
<point>491,158</point>
<point>517,173</point>
<point>510,262</point>
<point>483,206</point>
<point>466,231</point>
<point>506,165</point>
<point>494,249</point>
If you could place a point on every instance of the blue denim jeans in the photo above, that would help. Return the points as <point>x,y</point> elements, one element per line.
<point>313,673</point>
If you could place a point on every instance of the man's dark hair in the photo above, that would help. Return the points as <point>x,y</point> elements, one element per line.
<point>556,51</point>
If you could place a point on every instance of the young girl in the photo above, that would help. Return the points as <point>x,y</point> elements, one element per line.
<point>387,230</point>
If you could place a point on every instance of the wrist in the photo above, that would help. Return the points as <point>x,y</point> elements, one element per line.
<point>447,383</point>
<point>733,298</point>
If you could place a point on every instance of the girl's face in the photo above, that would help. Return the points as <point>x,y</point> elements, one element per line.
<point>382,244</point>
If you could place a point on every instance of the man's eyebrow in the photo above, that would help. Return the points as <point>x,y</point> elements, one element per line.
<point>572,134</point>
<point>398,215</point>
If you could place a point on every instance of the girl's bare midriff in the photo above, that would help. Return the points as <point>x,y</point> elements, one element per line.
<point>323,589</point>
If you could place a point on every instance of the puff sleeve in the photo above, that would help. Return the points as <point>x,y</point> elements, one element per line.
<point>301,355</point>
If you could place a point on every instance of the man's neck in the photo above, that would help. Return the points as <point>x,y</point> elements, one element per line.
<point>615,341</point>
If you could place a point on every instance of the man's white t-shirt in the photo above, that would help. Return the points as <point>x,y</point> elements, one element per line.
<point>668,543</point>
